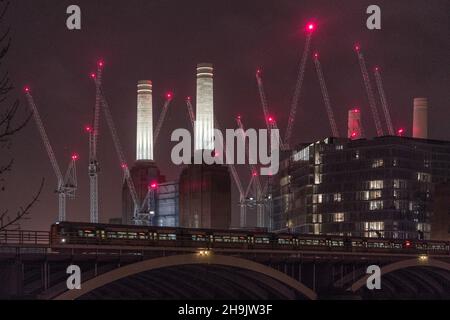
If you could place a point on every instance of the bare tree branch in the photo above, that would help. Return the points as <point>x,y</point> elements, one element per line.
<point>22,212</point>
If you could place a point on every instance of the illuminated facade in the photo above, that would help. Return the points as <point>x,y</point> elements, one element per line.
<point>382,187</point>
<point>204,122</point>
<point>144,138</point>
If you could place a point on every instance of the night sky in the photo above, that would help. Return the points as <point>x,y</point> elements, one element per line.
<point>164,40</point>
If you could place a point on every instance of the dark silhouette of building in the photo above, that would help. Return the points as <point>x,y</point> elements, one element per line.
<point>205,196</point>
<point>440,222</point>
<point>381,187</point>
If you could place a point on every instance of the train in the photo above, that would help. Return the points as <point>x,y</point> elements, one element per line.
<point>77,233</point>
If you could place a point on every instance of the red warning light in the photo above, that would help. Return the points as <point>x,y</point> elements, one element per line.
<point>400,132</point>
<point>316,55</point>
<point>124,166</point>
<point>357,47</point>
<point>100,63</point>
<point>258,72</point>
<point>153,185</point>
<point>188,98</point>
<point>238,117</point>
<point>356,110</point>
<point>408,244</point>
<point>93,76</point>
<point>26,89</point>
<point>75,157</point>
<point>376,69</point>
<point>310,27</point>
<point>169,95</point>
<point>254,173</point>
<point>88,128</point>
<point>270,119</point>
<point>353,135</point>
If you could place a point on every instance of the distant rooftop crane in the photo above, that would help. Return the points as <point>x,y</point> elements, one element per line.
<point>67,185</point>
<point>298,87</point>
<point>326,98</point>
<point>369,91</point>
<point>269,120</point>
<point>383,100</point>
<point>169,98</point>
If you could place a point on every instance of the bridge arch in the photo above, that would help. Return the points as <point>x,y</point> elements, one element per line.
<point>401,265</point>
<point>187,259</point>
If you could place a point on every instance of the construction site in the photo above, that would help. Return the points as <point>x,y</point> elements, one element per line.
<point>297,199</point>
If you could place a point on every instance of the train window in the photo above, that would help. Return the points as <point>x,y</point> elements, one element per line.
<point>284,241</point>
<point>101,234</point>
<point>218,239</point>
<point>132,235</point>
<point>112,235</point>
<point>167,236</point>
<point>264,240</point>
<point>122,235</point>
<point>142,235</point>
<point>198,237</point>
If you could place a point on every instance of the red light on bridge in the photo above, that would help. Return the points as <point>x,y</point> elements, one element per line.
<point>408,244</point>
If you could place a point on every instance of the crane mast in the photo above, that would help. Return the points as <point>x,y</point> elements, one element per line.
<point>67,185</point>
<point>325,95</point>
<point>383,100</point>
<point>93,168</point>
<point>298,86</point>
<point>270,121</point>
<point>160,122</point>
<point>369,91</point>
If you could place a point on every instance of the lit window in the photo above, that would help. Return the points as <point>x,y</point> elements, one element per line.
<point>374,228</point>
<point>302,155</point>
<point>376,184</point>
<point>338,217</point>
<point>317,218</point>
<point>377,163</point>
<point>376,205</point>
<point>423,177</point>
<point>337,197</point>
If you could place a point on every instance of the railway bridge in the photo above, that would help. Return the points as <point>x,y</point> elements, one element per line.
<point>31,268</point>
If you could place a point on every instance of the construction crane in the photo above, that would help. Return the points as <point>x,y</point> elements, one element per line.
<point>269,120</point>
<point>326,98</point>
<point>260,192</point>
<point>383,100</point>
<point>93,168</point>
<point>298,87</point>
<point>369,91</point>
<point>169,97</point>
<point>242,193</point>
<point>67,185</point>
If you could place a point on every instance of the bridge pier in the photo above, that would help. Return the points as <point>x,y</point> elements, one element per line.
<point>12,280</point>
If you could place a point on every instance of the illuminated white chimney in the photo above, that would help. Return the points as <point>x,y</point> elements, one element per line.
<point>354,124</point>
<point>204,122</point>
<point>144,139</point>
<point>420,118</point>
